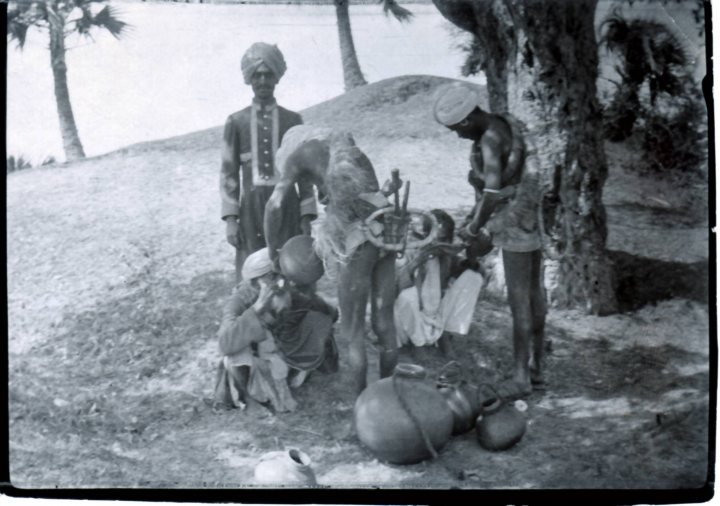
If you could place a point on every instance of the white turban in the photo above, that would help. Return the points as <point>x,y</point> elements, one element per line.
<point>454,103</point>
<point>256,265</point>
<point>260,53</point>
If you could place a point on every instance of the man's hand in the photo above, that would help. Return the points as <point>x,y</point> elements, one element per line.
<point>482,244</point>
<point>469,232</point>
<point>391,186</point>
<point>231,231</point>
<point>272,298</point>
<point>265,299</point>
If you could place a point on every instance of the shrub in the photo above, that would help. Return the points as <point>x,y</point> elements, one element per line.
<point>48,160</point>
<point>16,163</point>
<point>674,135</point>
<point>620,115</point>
<point>656,96</point>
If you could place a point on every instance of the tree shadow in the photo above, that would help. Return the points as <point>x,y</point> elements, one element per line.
<point>642,280</point>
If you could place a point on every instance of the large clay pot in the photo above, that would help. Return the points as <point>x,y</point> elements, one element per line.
<point>403,419</point>
<point>499,426</point>
<point>289,467</point>
<point>299,262</point>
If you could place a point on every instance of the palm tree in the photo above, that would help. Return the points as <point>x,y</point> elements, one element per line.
<point>540,60</point>
<point>352,74</point>
<point>61,18</point>
<point>648,51</point>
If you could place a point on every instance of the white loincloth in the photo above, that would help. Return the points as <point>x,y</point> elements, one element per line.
<point>452,313</point>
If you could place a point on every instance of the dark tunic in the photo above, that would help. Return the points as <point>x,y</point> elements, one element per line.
<point>249,174</point>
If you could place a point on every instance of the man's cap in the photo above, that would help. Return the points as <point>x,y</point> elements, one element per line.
<point>454,103</point>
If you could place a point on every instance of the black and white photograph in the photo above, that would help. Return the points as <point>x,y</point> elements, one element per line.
<point>375,245</point>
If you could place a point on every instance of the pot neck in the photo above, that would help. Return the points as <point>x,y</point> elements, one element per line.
<point>409,371</point>
<point>298,458</point>
<point>491,406</point>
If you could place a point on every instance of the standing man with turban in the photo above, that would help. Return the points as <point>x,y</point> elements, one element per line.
<point>505,215</point>
<point>249,173</point>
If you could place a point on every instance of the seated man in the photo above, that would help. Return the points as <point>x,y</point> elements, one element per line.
<point>271,333</point>
<point>437,295</point>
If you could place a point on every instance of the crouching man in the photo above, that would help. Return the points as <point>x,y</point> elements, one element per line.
<point>271,336</point>
<point>437,292</point>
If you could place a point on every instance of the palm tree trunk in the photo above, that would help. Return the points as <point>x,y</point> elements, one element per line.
<point>352,74</point>
<point>542,64</point>
<point>68,129</point>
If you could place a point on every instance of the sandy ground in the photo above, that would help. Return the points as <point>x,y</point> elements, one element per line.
<point>117,270</point>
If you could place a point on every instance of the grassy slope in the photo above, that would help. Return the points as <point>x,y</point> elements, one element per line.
<point>117,268</point>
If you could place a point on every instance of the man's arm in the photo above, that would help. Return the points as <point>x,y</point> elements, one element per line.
<point>308,154</point>
<point>308,205</point>
<point>274,214</point>
<point>241,324</point>
<point>491,146</point>
<point>306,192</point>
<point>230,183</point>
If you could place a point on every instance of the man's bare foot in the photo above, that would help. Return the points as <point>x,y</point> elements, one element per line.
<point>537,380</point>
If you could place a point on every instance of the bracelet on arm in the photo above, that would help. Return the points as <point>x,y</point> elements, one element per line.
<point>470,233</point>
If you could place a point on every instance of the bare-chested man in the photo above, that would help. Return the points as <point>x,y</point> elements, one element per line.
<point>505,215</point>
<point>349,188</point>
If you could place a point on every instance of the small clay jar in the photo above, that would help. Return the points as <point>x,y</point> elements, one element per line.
<point>499,426</point>
<point>289,467</point>
<point>462,399</point>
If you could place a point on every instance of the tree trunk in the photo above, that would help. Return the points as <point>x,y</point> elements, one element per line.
<point>68,129</point>
<point>352,74</point>
<point>540,59</point>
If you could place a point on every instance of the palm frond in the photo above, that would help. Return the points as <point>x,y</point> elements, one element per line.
<point>85,23</point>
<point>84,3</point>
<point>649,49</point>
<point>399,12</point>
<point>615,33</point>
<point>106,18</point>
<point>17,31</point>
<point>21,16</point>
